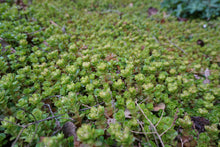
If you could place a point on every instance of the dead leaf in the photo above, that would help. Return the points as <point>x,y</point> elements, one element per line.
<point>152,11</point>
<point>162,21</point>
<point>69,129</point>
<point>200,123</point>
<point>160,106</point>
<point>111,57</point>
<point>127,113</point>
<point>109,112</point>
<point>111,121</point>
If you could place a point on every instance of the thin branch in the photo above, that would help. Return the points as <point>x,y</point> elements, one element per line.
<point>144,131</point>
<point>160,119</point>
<point>36,127</point>
<point>110,11</point>
<point>57,122</point>
<point>28,113</point>
<point>181,142</point>
<point>18,136</point>
<point>136,132</point>
<point>49,118</point>
<point>151,124</point>
<point>155,140</point>
<point>113,105</point>
<point>176,46</point>
<point>35,132</point>
<point>12,123</point>
<point>91,107</point>
<point>156,39</point>
<point>55,132</point>
<point>87,106</point>
<point>174,121</point>
<point>32,123</point>
<point>66,118</point>
<point>59,96</point>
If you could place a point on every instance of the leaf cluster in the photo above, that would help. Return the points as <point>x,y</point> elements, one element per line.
<point>204,9</point>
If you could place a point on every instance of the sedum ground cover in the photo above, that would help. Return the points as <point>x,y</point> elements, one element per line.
<point>107,73</point>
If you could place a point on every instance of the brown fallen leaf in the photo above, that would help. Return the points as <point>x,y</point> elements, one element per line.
<point>111,57</point>
<point>109,112</point>
<point>160,106</point>
<point>127,113</point>
<point>111,121</point>
<point>200,123</point>
<point>69,129</point>
<point>152,11</point>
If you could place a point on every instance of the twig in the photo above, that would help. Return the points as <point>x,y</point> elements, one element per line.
<point>181,142</point>
<point>29,113</point>
<point>110,11</point>
<point>113,105</point>
<point>144,100</point>
<point>194,127</point>
<point>49,118</point>
<point>176,46</point>
<point>174,121</point>
<point>87,106</point>
<point>29,124</point>
<point>36,31</point>
<point>136,132</point>
<point>36,127</point>
<point>91,107</point>
<point>12,123</point>
<point>156,39</point>
<point>160,119</point>
<point>151,124</point>
<point>18,136</point>
<point>155,140</point>
<point>59,96</point>
<point>55,132</point>
<point>57,122</point>
<point>144,131</point>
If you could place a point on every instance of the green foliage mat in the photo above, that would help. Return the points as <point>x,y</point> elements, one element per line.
<point>115,74</point>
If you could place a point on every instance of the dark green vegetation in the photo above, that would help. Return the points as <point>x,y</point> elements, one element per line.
<point>205,9</point>
<point>152,80</point>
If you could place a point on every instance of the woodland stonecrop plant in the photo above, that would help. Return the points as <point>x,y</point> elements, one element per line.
<point>123,137</point>
<point>90,135</point>
<point>74,62</point>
